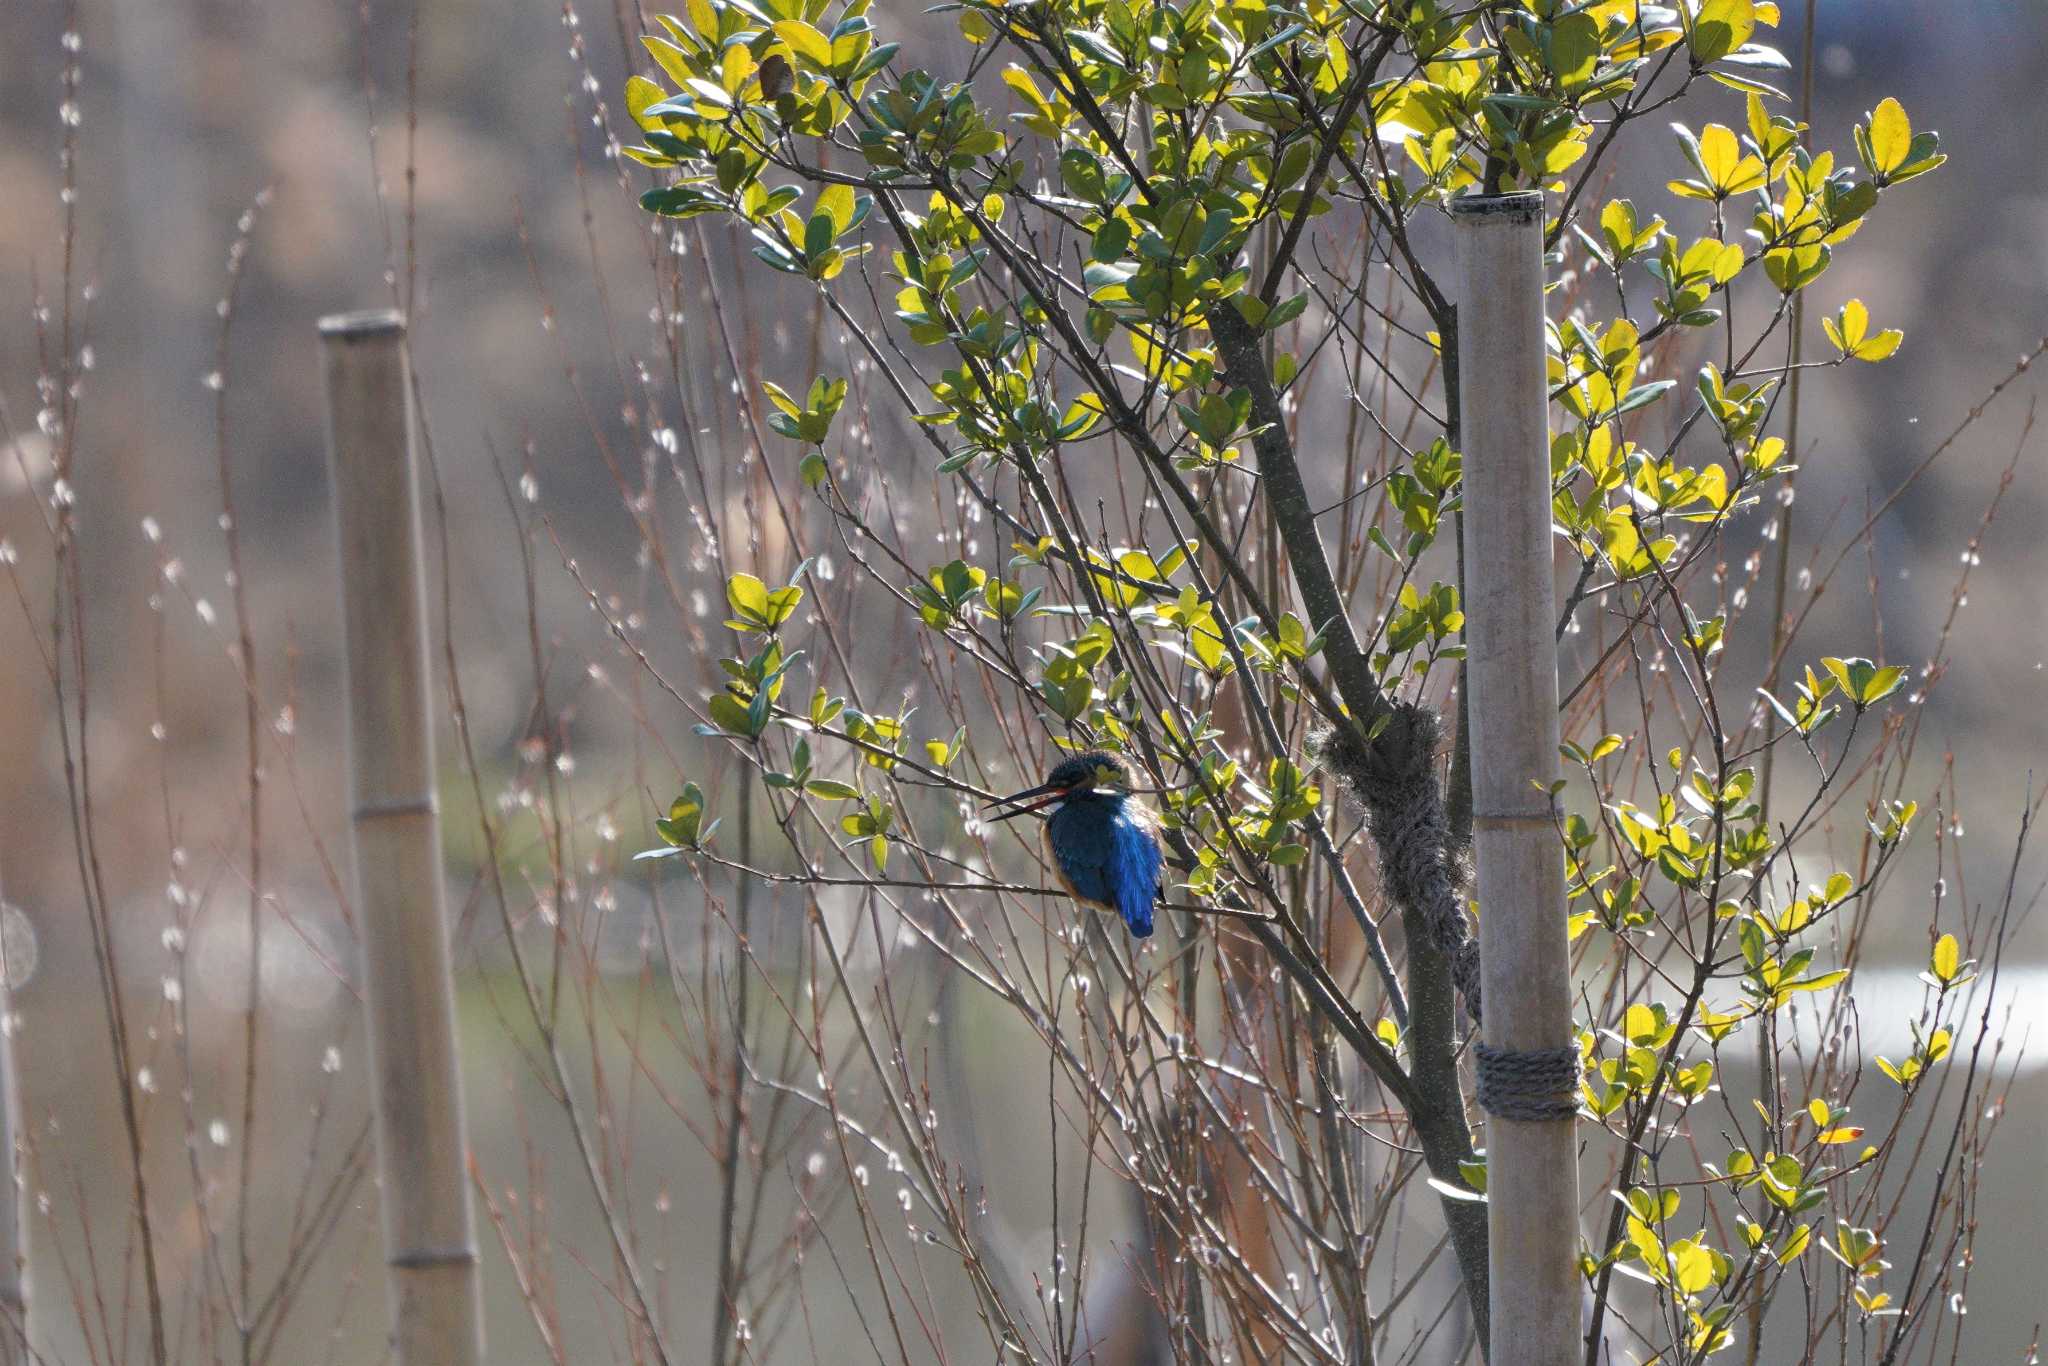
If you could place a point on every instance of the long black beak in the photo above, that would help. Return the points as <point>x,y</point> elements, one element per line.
<point>1020,802</point>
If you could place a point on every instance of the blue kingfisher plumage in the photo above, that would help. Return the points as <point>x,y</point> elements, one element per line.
<point>1102,841</point>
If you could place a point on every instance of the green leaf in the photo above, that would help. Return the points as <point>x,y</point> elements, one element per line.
<point>679,201</point>
<point>683,827</point>
<point>1642,396</point>
<point>1820,983</point>
<point>733,716</point>
<point>1097,47</point>
<point>1865,684</point>
<point>1286,311</point>
<point>832,790</point>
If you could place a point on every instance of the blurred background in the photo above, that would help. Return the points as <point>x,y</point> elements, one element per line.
<point>198,123</point>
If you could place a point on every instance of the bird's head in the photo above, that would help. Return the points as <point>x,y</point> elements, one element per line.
<point>1096,772</point>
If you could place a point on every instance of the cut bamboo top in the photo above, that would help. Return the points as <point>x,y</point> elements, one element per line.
<point>1518,204</point>
<point>362,324</point>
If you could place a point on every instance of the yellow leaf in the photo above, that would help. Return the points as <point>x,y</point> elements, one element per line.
<point>1618,345</point>
<point>806,42</point>
<point>640,93</point>
<point>672,59</point>
<point>1847,331</point>
<point>1020,81</point>
<point>1721,27</point>
<point>1891,137</point>
<point>1692,1265</point>
<point>1620,539</point>
<point>1948,958</point>
<point>1399,106</point>
<point>1719,152</point>
<point>1728,261</point>
<point>1717,1025</point>
<point>705,20</point>
<point>1713,486</point>
<point>1728,170</point>
<point>735,67</point>
<point>1850,332</point>
<point>1640,1024</point>
<point>1766,453</point>
<point>836,203</point>
<point>1796,1243</point>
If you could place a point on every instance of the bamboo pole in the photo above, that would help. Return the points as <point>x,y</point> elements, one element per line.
<point>1528,1068</point>
<point>429,1231</point>
<point>14,1346</point>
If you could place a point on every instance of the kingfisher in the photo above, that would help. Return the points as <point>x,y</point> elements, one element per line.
<point>1103,842</point>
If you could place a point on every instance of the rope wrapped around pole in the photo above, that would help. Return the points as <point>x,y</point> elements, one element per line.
<point>1529,1084</point>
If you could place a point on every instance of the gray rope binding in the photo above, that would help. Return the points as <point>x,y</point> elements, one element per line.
<point>1531,1085</point>
<point>1394,778</point>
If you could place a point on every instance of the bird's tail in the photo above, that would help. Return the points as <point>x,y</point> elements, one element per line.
<point>1136,908</point>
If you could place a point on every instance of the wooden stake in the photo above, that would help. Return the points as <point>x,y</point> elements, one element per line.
<point>429,1232</point>
<point>1510,608</point>
<point>13,1186</point>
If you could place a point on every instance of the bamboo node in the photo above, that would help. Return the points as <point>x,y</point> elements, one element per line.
<point>395,806</point>
<point>1495,819</point>
<point>422,1257</point>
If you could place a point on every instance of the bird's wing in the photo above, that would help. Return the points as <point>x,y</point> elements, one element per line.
<point>1136,875</point>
